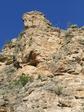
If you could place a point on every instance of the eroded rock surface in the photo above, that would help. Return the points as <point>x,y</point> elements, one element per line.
<point>51,76</point>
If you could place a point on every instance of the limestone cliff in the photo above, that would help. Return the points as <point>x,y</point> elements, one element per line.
<point>42,70</point>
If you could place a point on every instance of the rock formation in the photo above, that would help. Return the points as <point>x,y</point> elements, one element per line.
<point>51,78</point>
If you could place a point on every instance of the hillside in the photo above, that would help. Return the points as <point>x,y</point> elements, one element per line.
<point>42,70</point>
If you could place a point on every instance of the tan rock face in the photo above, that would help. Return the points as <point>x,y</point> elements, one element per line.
<point>51,73</point>
<point>35,19</point>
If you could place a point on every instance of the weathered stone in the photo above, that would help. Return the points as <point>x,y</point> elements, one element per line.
<point>53,61</point>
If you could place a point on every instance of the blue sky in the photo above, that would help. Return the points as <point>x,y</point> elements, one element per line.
<point>59,12</point>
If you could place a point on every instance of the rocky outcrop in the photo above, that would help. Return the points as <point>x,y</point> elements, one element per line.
<point>50,76</point>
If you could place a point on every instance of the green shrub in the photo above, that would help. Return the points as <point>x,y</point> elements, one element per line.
<point>73,26</point>
<point>58,90</point>
<point>23,80</point>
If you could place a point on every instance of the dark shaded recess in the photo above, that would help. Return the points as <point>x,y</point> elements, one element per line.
<point>32,59</point>
<point>16,63</point>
